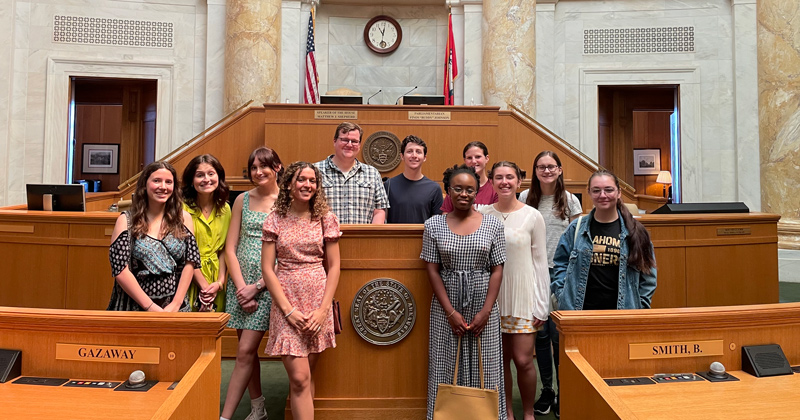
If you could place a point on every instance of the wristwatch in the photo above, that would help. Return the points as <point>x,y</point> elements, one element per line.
<point>259,286</point>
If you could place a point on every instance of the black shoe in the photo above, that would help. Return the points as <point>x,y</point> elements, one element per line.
<point>545,401</point>
<point>557,408</point>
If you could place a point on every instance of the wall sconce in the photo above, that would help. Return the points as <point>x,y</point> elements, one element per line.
<point>665,178</point>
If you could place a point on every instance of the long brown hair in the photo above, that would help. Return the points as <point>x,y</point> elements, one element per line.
<point>190,194</point>
<point>173,209</point>
<point>560,206</point>
<point>640,248</point>
<point>318,205</point>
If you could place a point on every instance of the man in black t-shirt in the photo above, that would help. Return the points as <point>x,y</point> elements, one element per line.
<point>602,286</point>
<point>413,197</point>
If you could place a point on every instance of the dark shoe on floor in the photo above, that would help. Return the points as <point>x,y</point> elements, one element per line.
<point>557,408</point>
<point>545,401</point>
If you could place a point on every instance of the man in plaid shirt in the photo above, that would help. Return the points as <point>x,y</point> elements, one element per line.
<point>354,190</point>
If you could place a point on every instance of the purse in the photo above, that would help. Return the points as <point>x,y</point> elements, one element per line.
<point>454,402</point>
<point>337,317</point>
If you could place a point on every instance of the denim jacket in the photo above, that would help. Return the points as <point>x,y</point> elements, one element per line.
<point>571,271</point>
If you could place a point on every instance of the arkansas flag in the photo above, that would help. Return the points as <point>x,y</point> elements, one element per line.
<point>311,91</point>
<point>450,65</point>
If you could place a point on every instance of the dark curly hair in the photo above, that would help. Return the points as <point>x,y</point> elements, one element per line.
<point>318,203</point>
<point>173,209</point>
<point>190,194</point>
<point>449,173</point>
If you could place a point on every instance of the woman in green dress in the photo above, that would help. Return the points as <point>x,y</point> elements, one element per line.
<point>205,196</point>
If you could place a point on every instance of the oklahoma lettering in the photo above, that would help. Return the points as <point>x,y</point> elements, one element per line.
<point>101,353</point>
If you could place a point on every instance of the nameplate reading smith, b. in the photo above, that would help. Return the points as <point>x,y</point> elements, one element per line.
<point>383,311</point>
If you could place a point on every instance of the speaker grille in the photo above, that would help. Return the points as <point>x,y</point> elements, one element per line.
<point>769,360</point>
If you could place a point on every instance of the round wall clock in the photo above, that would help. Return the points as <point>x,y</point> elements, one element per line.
<point>383,34</point>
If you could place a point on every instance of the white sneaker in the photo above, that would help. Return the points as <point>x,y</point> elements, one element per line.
<point>258,413</point>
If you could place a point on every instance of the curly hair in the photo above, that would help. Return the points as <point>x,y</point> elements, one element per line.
<point>173,209</point>
<point>190,194</point>
<point>318,203</point>
<point>449,173</point>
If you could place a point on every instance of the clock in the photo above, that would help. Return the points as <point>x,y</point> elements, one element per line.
<point>383,34</point>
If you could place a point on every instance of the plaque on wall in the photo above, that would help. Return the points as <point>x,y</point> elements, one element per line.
<point>382,150</point>
<point>383,311</point>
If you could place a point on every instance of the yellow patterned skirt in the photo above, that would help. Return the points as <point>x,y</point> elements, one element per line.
<point>513,325</point>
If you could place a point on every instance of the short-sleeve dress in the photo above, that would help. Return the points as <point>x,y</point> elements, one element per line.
<point>156,264</point>
<point>248,252</point>
<point>466,262</point>
<point>210,234</point>
<point>300,249</point>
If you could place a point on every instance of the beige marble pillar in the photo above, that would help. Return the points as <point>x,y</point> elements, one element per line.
<point>779,113</point>
<point>252,52</point>
<point>509,54</point>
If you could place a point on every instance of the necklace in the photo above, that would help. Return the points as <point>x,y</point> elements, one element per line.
<point>504,215</point>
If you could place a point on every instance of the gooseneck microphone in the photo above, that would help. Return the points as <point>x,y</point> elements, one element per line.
<point>373,95</point>
<point>397,102</point>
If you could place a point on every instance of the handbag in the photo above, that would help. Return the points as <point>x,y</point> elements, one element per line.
<point>454,402</point>
<point>337,317</point>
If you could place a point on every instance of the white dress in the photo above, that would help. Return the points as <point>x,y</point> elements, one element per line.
<point>525,291</point>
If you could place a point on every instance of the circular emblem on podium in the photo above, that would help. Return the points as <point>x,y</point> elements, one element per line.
<point>382,150</point>
<point>383,311</point>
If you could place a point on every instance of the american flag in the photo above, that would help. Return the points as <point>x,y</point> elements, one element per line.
<point>311,91</point>
<point>450,65</point>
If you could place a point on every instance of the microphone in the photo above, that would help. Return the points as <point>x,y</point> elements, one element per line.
<point>397,102</point>
<point>373,95</point>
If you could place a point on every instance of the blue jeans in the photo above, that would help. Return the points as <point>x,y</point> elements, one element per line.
<point>544,355</point>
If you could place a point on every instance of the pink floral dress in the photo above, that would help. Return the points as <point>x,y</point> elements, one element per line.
<point>300,248</point>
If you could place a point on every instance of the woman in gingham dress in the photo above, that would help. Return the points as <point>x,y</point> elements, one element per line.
<point>465,252</point>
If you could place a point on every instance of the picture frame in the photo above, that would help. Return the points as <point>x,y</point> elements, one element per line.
<point>646,161</point>
<point>100,158</point>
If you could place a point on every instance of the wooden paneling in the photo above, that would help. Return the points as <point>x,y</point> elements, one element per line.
<point>651,130</point>
<point>96,124</point>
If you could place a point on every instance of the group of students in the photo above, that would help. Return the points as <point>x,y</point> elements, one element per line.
<point>495,261</point>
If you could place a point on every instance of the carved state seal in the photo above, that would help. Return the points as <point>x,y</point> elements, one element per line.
<point>383,311</point>
<point>382,150</point>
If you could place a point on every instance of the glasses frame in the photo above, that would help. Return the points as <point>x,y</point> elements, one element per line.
<point>547,168</point>
<point>464,191</point>
<point>348,141</point>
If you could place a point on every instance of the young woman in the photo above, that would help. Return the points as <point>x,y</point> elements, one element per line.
<point>558,207</point>
<point>205,196</point>
<point>247,300</point>
<point>524,297</point>
<point>476,156</point>
<point>300,232</point>
<point>153,254</point>
<point>609,263</point>
<point>465,252</point>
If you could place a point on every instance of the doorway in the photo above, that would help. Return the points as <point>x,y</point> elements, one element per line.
<point>112,130</point>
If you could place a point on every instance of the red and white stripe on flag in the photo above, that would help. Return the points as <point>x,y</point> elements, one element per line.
<point>450,65</point>
<point>311,90</point>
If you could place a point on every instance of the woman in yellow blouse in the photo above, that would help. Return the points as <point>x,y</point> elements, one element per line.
<point>205,196</point>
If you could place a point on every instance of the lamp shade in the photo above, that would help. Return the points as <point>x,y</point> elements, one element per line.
<point>664,177</point>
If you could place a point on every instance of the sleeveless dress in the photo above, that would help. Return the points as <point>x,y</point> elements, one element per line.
<point>248,252</point>
<point>210,234</point>
<point>299,245</point>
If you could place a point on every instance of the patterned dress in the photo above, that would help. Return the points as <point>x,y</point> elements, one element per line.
<point>156,264</point>
<point>248,252</point>
<point>465,261</point>
<point>300,248</point>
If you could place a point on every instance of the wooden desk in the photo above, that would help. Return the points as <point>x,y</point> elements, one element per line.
<point>187,348</point>
<point>597,344</point>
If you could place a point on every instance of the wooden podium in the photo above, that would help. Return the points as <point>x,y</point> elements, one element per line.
<point>108,346</point>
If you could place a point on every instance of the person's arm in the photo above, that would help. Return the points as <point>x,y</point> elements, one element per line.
<point>454,318</point>
<point>479,321</point>
<point>192,257</point>
<point>436,201</point>
<point>647,284</point>
<point>197,275</point>
<point>541,272</point>
<point>380,199</point>
<point>320,315</point>
<point>378,216</point>
<point>125,278</point>
<point>561,259</point>
<point>293,315</point>
<point>231,242</point>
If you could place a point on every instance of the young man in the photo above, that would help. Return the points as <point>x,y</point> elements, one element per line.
<point>413,197</point>
<point>353,189</point>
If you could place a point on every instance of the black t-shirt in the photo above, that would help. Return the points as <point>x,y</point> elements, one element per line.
<point>603,284</point>
<point>412,201</point>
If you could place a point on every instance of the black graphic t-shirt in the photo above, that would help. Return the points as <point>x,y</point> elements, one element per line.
<point>603,283</point>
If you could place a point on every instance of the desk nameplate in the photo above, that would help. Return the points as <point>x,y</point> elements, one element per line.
<point>731,231</point>
<point>701,348</point>
<point>429,115</point>
<point>335,114</point>
<point>108,354</point>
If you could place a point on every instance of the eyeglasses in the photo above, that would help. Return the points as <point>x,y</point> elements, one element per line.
<point>598,191</point>
<point>459,190</point>
<point>353,142</point>
<point>542,168</point>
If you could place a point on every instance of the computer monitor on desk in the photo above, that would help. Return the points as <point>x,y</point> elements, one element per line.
<point>341,99</point>
<point>422,100</point>
<point>56,197</point>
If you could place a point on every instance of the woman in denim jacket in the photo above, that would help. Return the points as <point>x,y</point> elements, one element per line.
<point>610,263</point>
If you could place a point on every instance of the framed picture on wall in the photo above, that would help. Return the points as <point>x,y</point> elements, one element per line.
<point>646,161</point>
<point>100,158</point>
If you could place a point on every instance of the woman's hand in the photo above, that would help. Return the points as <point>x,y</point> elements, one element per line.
<point>457,323</point>
<point>297,319</point>
<point>171,307</point>
<point>208,294</point>
<point>155,308</point>
<point>250,306</point>
<point>246,293</point>
<point>537,322</point>
<point>478,323</point>
<point>315,320</point>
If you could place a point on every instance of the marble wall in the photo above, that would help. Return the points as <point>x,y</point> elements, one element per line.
<point>779,106</point>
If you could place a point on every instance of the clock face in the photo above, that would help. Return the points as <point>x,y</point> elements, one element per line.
<point>383,34</point>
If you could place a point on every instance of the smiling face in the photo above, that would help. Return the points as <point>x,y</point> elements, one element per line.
<point>262,174</point>
<point>347,145</point>
<point>547,170</point>
<point>206,179</point>
<point>414,156</point>
<point>604,192</point>
<point>505,181</point>
<point>304,185</point>
<point>474,158</point>
<point>462,191</point>
<point>160,185</point>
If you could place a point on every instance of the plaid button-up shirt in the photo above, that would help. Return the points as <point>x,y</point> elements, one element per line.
<point>353,196</point>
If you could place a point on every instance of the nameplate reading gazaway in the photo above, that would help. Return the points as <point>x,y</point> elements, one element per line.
<point>335,114</point>
<point>638,351</point>
<point>109,354</point>
<point>429,115</point>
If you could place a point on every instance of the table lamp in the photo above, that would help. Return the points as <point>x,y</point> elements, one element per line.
<point>665,178</point>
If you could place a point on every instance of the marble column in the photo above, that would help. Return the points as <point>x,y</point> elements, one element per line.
<point>294,16</point>
<point>545,65</point>
<point>472,53</point>
<point>252,52</point>
<point>779,111</point>
<point>509,54</point>
<point>215,62</point>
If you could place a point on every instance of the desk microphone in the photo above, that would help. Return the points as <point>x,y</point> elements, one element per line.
<point>373,95</point>
<point>397,102</point>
